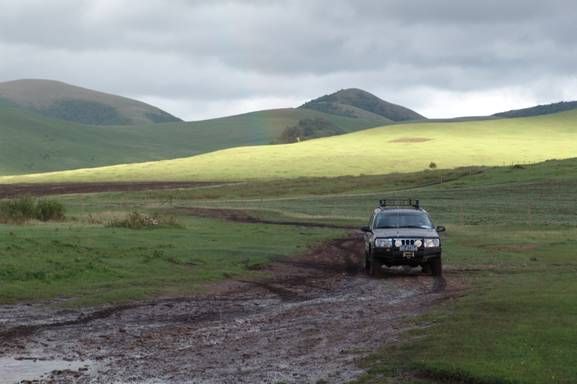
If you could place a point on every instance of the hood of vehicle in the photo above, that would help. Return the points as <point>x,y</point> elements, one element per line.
<point>405,232</point>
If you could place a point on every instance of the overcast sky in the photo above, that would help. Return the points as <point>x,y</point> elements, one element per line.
<point>199,59</point>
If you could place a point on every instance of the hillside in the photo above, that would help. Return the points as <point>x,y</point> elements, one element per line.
<point>396,148</point>
<point>32,143</point>
<point>539,110</point>
<point>67,102</point>
<point>354,102</point>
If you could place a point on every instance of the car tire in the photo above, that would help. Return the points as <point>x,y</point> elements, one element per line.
<point>426,268</point>
<point>374,268</point>
<point>436,266</point>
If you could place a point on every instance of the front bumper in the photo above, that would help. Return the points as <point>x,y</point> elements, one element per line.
<point>393,256</point>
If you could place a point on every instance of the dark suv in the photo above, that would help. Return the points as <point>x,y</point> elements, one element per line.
<point>401,233</point>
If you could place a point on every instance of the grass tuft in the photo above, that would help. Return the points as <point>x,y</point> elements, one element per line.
<point>137,220</point>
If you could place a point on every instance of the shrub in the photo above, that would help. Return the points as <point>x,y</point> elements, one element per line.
<point>136,220</point>
<point>27,208</point>
<point>18,210</point>
<point>432,165</point>
<point>47,210</point>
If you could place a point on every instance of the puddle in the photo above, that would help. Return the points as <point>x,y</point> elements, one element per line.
<point>14,371</point>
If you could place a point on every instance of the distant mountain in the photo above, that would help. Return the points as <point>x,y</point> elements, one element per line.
<point>67,102</point>
<point>539,110</point>
<point>355,102</point>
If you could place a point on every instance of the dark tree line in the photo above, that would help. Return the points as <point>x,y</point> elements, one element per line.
<point>308,129</point>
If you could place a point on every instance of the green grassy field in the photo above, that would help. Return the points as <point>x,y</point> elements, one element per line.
<point>90,263</point>
<point>33,143</point>
<point>509,245</point>
<point>395,148</point>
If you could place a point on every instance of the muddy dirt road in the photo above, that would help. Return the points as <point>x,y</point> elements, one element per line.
<point>306,319</point>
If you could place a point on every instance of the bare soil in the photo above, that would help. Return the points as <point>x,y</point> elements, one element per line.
<point>14,190</point>
<point>303,320</point>
<point>410,140</point>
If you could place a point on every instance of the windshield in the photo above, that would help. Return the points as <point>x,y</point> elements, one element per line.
<point>403,220</point>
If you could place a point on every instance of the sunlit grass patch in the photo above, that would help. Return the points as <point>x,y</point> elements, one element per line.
<point>374,151</point>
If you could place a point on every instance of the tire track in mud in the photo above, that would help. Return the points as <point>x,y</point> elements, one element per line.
<point>27,330</point>
<point>306,318</point>
<point>273,285</point>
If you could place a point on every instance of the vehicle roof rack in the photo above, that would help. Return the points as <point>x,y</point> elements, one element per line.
<point>397,203</point>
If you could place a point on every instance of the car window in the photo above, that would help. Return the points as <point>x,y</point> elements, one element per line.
<point>403,220</point>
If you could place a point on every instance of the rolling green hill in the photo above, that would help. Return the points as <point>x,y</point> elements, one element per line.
<point>396,148</point>
<point>67,102</point>
<point>355,102</point>
<point>32,143</point>
<point>539,110</point>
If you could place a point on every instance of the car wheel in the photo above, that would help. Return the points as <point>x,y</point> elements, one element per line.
<point>426,268</point>
<point>374,268</point>
<point>436,266</point>
<point>367,264</point>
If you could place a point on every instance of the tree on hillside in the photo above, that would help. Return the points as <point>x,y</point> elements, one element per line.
<point>308,129</point>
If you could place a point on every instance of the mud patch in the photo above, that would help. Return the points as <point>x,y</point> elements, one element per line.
<point>28,369</point>
<point>410,140</point>
<point>305,319</point>
<point>26,330</point>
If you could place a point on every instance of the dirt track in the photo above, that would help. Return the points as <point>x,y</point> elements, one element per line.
<point>311,319</point>
<point>242,216</point>
<point>13,190</point>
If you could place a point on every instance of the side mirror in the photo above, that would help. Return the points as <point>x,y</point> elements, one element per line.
<point>441,228</point>
<point>366,229</point>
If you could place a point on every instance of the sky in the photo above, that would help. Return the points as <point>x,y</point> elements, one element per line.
<point>203,59</point>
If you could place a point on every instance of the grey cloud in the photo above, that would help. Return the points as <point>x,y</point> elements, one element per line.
<point>230,51</point>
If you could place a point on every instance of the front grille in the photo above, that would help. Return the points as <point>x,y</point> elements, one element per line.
<point>408,241</point>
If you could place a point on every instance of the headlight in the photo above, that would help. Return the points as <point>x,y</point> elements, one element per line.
<point>432,243</point>
<point>383,243</point>
<point>418,243</point>
<point>398,243</point>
